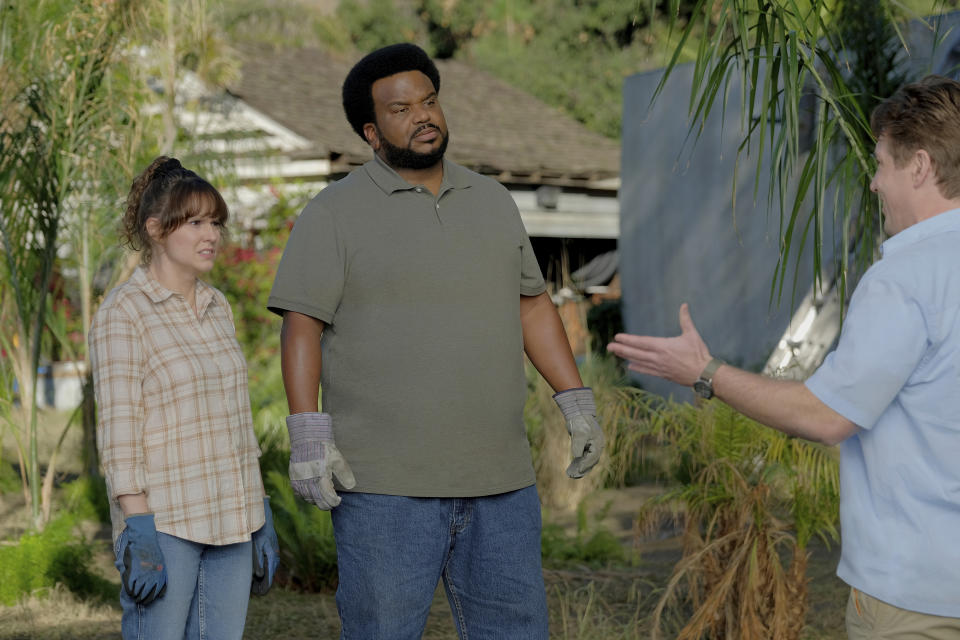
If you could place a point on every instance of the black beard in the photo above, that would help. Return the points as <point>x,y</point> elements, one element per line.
<point>406,158</point>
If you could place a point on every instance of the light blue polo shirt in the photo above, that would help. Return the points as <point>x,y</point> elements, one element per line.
<point>896,374</point>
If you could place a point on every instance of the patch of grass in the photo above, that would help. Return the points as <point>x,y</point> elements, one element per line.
<point>288,614</point>
<point>613,606</point>
<point>59,615</point>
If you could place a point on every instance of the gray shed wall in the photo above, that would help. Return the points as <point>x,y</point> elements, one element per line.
<point>681,240</point>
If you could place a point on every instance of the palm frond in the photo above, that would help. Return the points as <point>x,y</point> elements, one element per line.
<point>750,499</point>
<point>810,72</point>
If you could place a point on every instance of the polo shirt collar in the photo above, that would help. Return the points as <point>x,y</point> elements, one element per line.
<point>454,176</point>
<point>938,224</point>
<point>157,293</point>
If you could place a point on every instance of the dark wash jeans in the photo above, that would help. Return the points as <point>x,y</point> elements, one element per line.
<point>392,551</point>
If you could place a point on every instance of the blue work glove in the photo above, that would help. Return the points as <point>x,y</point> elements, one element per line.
<point>315,459</point>
<point>144,575</point>
<point>586,435</point>
<point>266,553</point>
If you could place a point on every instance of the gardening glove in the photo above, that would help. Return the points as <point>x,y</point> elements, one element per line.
<point>266,553</point>
<point>586,443</point>
<point>144,576</point>
<point>315,459</point>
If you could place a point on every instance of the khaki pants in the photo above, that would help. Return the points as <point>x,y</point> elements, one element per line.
<point>871,619</point>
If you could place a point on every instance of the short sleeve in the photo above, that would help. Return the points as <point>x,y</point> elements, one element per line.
<point>116,355</point>
<point>531,280</point>
<point>311,273</point>
<point>884,339</point>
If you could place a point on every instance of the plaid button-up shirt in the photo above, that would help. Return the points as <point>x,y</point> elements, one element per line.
<point>173,417</point>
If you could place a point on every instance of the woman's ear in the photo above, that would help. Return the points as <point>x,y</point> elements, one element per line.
<point>153,229</point>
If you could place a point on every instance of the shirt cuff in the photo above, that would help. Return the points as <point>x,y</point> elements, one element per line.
<point>129,481</point>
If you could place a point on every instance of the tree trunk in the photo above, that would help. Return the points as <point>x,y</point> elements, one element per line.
<point>169,81</point>
<point>88,416</point>
<point>26,373</point>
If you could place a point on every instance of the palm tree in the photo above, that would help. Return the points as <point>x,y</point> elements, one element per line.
<point>74,129</point>
<point>750,499</point>
<point>61,138</point>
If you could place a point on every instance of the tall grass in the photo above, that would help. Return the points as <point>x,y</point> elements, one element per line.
<point>620,409</point>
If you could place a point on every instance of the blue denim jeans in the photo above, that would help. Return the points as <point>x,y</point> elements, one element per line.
<point>208,588</point>
<point>393,551</point>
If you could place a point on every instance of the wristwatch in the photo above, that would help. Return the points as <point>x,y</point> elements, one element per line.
<point>703,387</point>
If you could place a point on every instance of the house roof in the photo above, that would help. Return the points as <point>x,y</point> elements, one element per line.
<point>495,128</point>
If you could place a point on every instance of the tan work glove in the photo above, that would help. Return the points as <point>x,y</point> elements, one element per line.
<point>315,459</point>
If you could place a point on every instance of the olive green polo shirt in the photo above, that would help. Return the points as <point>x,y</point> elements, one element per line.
<point>423,350</point>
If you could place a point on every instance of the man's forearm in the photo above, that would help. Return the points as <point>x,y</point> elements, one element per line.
<point>545,342</point>
<point>300,361</point>
<point>785,405</point>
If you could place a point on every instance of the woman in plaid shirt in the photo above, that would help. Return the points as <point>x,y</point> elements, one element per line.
<point>174,429</point>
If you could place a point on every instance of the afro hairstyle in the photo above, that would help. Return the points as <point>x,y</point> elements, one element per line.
<point>396,58</point>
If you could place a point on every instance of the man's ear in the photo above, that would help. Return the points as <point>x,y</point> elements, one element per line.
<point>372,136</point>
<point>923,168</point>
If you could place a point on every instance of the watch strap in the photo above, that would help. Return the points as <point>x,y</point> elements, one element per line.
<point>710,370</point>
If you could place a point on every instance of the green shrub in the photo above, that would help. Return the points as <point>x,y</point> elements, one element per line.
<point>9,478</point>
<point>308,553</point>
<point>274,445</point>
<point>55,555</point>
<point>592,546</point>
<point>86,498</point>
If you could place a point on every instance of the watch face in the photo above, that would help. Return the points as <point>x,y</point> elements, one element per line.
<point>703,389</point>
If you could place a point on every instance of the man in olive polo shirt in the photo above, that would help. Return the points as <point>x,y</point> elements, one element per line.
<point>413,282</point>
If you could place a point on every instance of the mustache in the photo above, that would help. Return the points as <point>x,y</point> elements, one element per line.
<point>423,128</point>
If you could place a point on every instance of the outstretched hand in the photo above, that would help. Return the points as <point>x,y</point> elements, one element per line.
<point>679,359</point>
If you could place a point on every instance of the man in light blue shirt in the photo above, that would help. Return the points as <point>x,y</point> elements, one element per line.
<point>890,393</point>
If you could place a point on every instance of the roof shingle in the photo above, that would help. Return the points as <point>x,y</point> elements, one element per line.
<point>494,128</point>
